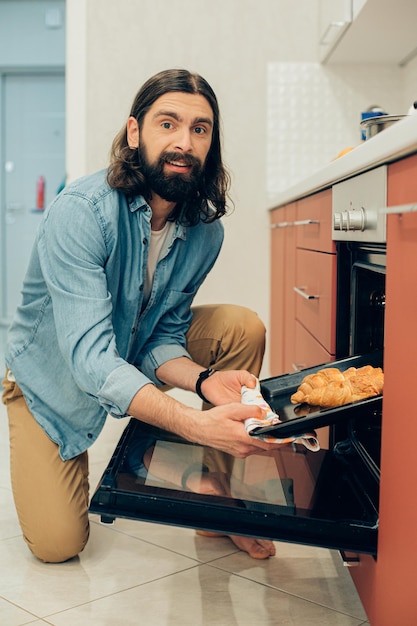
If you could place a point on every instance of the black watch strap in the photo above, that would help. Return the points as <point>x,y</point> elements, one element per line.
<point>201,378</point>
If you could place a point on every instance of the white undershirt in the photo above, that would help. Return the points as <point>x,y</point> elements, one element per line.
<point>156,246</point>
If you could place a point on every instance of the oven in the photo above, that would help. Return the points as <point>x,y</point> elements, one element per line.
<point>359,229</point>
<point>328,498</point>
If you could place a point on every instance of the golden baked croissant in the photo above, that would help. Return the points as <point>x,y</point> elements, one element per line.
<point>315,381</point>
<point>350,386</point>
<point>334,394</point>
<point>367,385</point>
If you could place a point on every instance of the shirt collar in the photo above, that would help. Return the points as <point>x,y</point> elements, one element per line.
<point>138,203</point>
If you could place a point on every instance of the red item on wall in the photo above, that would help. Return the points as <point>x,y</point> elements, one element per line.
<point>40,193</point>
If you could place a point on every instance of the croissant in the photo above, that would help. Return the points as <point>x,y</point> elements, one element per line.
<point>341,388</point>
<point>315,381</point>
<point>367,385</point>
<point>334,394</point>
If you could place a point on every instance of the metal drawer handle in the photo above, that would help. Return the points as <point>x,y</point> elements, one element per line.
<point>302,292</point>
<point>329,35</point>
<point>401,208</point>
<point>306,222</point>
<point>297,367</point>
<point>297,223</point>
<point>282,224</point>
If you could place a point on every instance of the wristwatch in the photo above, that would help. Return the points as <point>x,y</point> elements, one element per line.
<point>201,378</point>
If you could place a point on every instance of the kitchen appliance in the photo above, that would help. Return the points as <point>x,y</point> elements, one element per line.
<point>356,208</point>
<point>328,498</point>
<point>371,126</point>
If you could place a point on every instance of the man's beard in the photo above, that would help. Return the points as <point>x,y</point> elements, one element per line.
<point>174,187</point>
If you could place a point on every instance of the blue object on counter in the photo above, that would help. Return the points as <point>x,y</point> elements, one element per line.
<point>366,115</point>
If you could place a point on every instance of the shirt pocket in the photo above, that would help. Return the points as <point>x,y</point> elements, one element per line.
<point>177,304</point>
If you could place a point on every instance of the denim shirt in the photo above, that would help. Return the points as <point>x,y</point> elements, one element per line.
<point>83,342</point>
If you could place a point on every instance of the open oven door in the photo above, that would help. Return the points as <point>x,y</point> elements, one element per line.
<point>327,498</point>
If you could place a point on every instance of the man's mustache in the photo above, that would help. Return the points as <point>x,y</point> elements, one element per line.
<point>187,159</point>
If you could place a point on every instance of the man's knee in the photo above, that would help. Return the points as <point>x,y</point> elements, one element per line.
<point>242,325</point>
<point>61,542</point>
<point>234,334</point>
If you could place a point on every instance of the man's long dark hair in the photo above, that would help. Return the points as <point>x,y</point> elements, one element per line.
<point>124,172</point>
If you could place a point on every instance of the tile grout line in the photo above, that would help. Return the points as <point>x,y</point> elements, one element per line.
<point>293,595</point>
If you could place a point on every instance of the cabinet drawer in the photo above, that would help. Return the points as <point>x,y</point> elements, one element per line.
<point>402,182</point>
<point>308,351</point>
<point>315,302</point>
<point>314,222</point>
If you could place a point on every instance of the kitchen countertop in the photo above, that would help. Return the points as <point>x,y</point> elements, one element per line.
<point>389,145</point>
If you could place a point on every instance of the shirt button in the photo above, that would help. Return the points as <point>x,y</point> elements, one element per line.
<point>141,288</point>
<point>90,436</point>
<point>144,241</point>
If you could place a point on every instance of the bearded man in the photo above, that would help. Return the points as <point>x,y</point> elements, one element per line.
<point>105,320</point>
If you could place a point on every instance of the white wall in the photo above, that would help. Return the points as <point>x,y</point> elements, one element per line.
<point>113,47</point>
<point>410,82</point>
<point>261,58</point>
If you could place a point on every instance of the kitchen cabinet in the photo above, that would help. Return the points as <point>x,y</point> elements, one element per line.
<point>387,586</point>
<point>283,250</point>
<point>303,288</point>
<point>335,16</point>
<point>376,31</point>
<point>303,285</point>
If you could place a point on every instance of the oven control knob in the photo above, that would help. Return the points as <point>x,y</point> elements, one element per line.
<point>350,220</point>
<point>356,219</point>
<point>339,221</point>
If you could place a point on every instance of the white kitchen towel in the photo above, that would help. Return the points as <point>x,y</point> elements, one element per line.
<point>254,396</point>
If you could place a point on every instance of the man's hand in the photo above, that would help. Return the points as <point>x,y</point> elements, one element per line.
<point>221,427</point>
<point>222,387</point>
<point>225,387</point>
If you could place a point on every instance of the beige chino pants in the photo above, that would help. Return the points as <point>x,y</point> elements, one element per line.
<point>51,495</point>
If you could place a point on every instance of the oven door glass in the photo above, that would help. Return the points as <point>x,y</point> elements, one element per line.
<point>327,498</point>
<point>292,494</point>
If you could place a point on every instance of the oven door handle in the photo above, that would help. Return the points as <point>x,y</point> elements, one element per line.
<point>302,292</point>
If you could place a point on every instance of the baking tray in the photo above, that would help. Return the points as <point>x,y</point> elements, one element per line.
<point>297,419</point>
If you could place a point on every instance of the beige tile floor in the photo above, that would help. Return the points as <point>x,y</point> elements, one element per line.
<point>135,573</point>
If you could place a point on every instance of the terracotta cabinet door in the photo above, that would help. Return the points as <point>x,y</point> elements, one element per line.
<point>314,222</point>
<point>315,300</point>
<point>387,586</point>
<point>302,257</point>
<point>397,544</point>
<point>276,339</point>
<point>282,296</point>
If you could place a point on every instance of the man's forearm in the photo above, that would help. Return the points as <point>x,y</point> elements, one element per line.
<point>154,407</point>
<point>181,372</point>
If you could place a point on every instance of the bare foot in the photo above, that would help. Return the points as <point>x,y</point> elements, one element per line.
<point>256,548</point>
